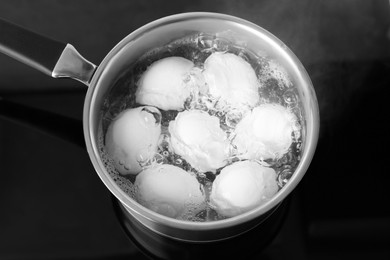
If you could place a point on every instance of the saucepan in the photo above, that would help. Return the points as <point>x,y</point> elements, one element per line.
<point>62,60</point>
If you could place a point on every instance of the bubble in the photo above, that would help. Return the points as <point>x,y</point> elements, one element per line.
<point>205,42</point>
<point>159,159</point>
<point>178,161</point>
<point>201,177</point>
<point>275,86</point>
<point>290,97</point>
<point>284,176</point>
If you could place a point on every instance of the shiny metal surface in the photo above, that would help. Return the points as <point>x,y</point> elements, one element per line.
<point>72,65</point>
<point>159,246</point>
<point>163,31</point>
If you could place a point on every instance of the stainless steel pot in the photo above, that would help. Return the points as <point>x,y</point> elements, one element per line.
<point>62,60</point>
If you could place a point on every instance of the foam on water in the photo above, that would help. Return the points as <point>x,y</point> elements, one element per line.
<point>125,184</point>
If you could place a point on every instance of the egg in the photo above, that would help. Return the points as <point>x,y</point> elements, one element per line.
<point>132,138</point>
<point>265,133</point>
<point>231,80</point>
<point>163,84</point>
<point>241,187</point>
<point>170,191</point>
<point>197,137</point>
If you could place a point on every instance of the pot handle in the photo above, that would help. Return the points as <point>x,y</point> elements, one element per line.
<point>51,57</point>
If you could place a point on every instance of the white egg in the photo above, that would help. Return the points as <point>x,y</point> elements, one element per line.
<point>163,84</point>
<point>266,132</point>
<point>198,138</point>
<point>231,80</point>
<point>132,138</point>
<point>170,191</point>
<point>242,186</point>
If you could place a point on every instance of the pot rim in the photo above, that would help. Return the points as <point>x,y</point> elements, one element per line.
<point>312,130</point>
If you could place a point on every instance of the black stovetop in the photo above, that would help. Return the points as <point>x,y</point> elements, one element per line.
<point>54,206</point>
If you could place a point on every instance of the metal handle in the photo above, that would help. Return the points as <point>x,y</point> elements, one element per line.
<point>52,57</point>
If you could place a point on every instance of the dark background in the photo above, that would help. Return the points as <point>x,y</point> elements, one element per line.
<point>54,206</point>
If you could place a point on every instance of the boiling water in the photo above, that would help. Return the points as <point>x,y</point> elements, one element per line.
<point>275,86</point>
